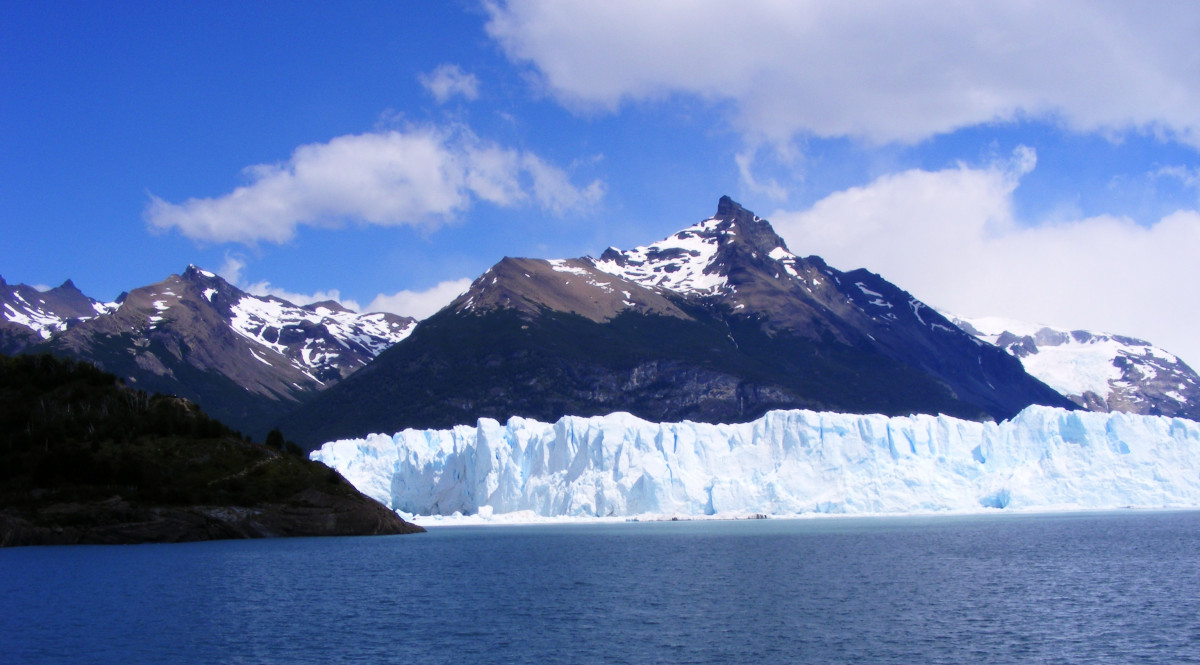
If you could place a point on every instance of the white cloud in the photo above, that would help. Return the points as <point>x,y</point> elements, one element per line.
<point>420,304</point>
<point>769,188</point>
<point>232,271</point>
<point>447,80</point>
<point>951,239</point>
<point>553,191</point>
<point>896,71</point>
<point>420,177</point>
<point>232,268</point>
<point>265,288</point>
<point>1188,177</point>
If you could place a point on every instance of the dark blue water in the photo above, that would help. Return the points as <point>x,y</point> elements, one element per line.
<point>1094,588</point>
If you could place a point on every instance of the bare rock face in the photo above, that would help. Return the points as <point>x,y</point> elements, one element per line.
<point>719,322</point>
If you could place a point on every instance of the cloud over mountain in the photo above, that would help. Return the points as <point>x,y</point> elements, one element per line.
<point>951,236</point>
<point>419,304</point>
<point>418,177</point>
<point>899,72</point>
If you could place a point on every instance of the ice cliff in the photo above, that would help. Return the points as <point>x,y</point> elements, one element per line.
<point>785,463</point>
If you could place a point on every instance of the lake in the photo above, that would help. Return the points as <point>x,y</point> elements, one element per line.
<point>1118,587</point>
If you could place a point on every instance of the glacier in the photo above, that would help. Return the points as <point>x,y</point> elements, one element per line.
<point>785,463</point>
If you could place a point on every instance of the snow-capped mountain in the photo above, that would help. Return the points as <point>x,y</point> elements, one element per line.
<point>244,358</point>
<point>785,463</point>
<point>1098,371</point>
<point>720,322</point>
<point>29,316</point>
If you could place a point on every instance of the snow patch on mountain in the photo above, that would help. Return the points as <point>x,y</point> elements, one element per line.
<point>102,308</point>
<point>562,265</point>
<point>41,322</point>
<point>50,312</point>
<point>785,463</point>
<point>1100,371</point>
<point>267,321</point>
<point>680,263</point>
<point>1070,365</point>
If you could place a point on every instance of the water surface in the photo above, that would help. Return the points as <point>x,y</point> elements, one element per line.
<point>1082,588</point>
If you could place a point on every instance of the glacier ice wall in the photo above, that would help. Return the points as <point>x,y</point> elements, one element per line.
<point>786,462</point>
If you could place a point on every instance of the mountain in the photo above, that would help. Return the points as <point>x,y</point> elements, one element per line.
<point>29,316</point>
<point>785,463</point>
<point>1098,371</point>
<point>718,323</point>
<point>84,459</point>
<point>245,359</point>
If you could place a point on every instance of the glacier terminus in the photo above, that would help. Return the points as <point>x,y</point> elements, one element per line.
<point>785,463</point>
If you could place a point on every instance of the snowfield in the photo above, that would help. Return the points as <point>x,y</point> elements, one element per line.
<point>785,463</point>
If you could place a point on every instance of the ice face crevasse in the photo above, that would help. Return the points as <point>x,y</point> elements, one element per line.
<point>787,462</point>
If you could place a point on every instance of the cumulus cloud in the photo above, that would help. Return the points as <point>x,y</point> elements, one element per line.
<point>420,177</point>
<point>265,288</point>
<point>950,237</point>
<point>554,191</point>
<point>419,304</point>
<point>902,71</point>
<point>447,80</point>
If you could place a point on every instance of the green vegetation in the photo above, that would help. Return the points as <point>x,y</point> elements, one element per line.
<point>223,398</point>
<point>72,433</point>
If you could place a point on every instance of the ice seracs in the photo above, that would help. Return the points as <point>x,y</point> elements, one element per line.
<point>785,463</point>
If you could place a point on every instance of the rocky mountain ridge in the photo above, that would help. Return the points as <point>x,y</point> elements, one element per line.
<point>29,316</point>
<point>720,322</point>
<point>246,359</point>
<point>1098,371</point>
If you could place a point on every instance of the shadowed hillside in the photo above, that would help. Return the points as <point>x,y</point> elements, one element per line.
<point>84,459</point>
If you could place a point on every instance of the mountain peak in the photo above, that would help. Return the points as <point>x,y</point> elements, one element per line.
<point>755,231</point>
<point>699,259</point>
<point>331,305</point>
<point>196,273</point>
<point>727,208</point>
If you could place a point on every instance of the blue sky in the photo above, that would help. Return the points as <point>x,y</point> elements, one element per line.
<point>1034,161</point>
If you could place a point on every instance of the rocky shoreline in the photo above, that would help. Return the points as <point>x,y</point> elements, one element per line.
<point>116,521</point>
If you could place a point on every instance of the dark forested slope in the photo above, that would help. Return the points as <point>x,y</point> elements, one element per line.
<point>84,459</point>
